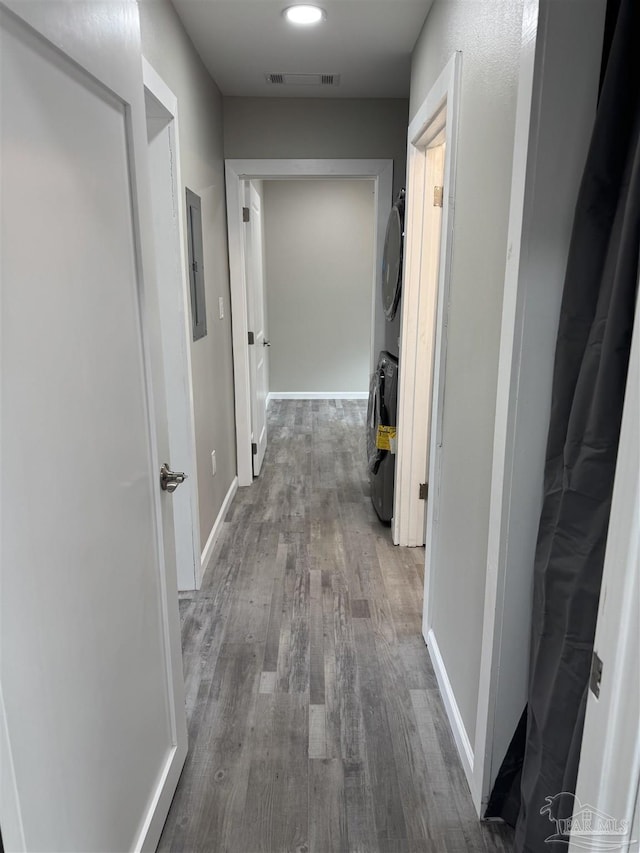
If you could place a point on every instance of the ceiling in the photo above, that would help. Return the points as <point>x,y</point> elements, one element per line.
<point>367,42</point>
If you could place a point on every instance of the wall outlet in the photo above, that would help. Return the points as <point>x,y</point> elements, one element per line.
<point>221,307</point>
<point>213,463</point>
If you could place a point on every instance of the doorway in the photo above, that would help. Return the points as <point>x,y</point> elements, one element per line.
<point>424,227</point>
<point>319,257</point>
<point>238,172</point>
<point>432,139</point>
<point>431,164</point>
<point>168,232</point>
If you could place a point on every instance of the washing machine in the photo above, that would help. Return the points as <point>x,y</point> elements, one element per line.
<point>383,392</point>
<point>381,434</point>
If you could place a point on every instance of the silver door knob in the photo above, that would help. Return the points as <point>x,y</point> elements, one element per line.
<point>266,343</point>
<point>170,480</point>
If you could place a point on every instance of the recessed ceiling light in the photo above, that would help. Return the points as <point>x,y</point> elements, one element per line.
<point>305,14</point>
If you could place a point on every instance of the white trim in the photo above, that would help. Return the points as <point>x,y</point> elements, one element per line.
<point>158,88</point>
<point>237,171</point>
<point>210,544</point>
<point>503,445</point>
<point>318,395</point>
<point>166,98</point>
<point>420,404</point>
<point>454,716</point>
<point>10,811</point>
<point>151,829</point>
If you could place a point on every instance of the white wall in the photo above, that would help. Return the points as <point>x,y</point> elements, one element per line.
<point>488,34</point>
<point>169,50</point>
<point>319,244</point>
<point>323,128</point>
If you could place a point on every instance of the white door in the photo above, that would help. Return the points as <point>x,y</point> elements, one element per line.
<point>167,205</point>
<point>92,724</point>
<point>256,316</point>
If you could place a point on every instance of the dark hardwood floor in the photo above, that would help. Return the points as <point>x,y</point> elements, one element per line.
<point>315,720</point>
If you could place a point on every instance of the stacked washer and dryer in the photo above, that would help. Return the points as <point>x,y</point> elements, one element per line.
<point>383,392</point>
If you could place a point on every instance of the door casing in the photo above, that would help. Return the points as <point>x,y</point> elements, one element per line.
<point>423,336</point>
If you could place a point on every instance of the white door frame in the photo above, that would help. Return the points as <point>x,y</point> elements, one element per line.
<point>419,405</point>
<point>238,171</point>
<point>179,392</point>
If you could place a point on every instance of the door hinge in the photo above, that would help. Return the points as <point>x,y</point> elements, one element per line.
<point>596,675</point>
<point>438,196</point>
<point>194,266</point>
<point>254,448</point>
<point>245,214</point>
<point>252,338</point>
<point>423,491</point>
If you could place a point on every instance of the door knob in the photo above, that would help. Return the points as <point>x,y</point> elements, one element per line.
<point>170,480</point>
<point>266,343</point>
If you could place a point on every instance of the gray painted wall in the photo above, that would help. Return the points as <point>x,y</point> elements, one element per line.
<point>168,48</point>
<point>488,32</point>
<point>323,128</point>
<point>319,241</point>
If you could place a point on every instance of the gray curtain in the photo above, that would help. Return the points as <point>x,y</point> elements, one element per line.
<point>591,362</point>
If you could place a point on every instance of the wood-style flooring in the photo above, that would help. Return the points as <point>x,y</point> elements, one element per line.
<point>315,720</point>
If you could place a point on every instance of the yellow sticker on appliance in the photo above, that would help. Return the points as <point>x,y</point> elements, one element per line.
<point>386,438</point>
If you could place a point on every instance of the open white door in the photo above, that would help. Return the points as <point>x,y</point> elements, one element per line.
<point>173,292</point>
<point>92,724</point>
<point>256,316</point>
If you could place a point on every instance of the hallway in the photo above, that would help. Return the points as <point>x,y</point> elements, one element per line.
<point>315,721</point>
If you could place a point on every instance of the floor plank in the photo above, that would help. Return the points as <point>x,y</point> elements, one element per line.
<point>315,720</point>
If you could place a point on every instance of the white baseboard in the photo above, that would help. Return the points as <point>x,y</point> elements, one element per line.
<point>317,395</point>
<point>451,707</point>
<point>215,530</point>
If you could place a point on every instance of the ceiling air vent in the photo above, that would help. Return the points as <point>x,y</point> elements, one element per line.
<point>284,78</point>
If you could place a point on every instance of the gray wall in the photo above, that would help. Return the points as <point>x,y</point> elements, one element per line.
<point>322,128</point>
<point>319,241</point>
<point>488,32</point>
<point>169,50</point>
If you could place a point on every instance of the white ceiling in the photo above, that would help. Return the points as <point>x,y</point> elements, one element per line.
<point>367,42</point>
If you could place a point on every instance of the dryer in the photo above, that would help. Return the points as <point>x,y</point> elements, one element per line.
<point>381,435</point>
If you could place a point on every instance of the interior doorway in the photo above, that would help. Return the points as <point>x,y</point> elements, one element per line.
<point>319,268</point>
<point>432,140</point>
<point>168,232</point>
<point>239,174</point>
<point>424,227</point>
<point>257,320</point>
